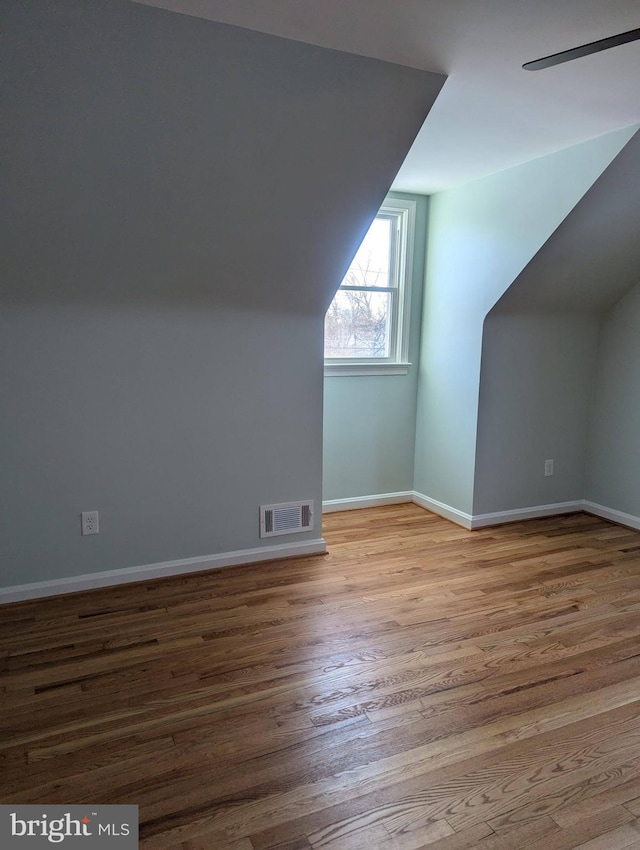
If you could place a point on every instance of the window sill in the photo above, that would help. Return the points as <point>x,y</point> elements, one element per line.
<point>351,370</point>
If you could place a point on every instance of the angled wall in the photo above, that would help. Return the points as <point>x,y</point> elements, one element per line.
<point>540,347</point>
<point>592,259</point>
<point>183,198</point>
<point>481,236</point>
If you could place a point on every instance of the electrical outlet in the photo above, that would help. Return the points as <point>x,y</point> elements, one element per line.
<point>548,467</point>
<point>90,522</point>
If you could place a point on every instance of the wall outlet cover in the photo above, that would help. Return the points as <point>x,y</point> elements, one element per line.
<point>90,524</point>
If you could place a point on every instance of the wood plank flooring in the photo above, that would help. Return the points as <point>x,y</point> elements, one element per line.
<point>420,686</point>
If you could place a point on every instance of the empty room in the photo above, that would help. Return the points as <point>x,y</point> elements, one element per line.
<point>320,453</point>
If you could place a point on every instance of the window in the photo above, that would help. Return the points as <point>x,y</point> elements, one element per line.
<point>366,329</point>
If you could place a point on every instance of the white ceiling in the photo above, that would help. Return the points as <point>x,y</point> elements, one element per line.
<point>490,114</point>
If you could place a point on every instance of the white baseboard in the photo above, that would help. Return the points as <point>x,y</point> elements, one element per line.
<point>165,569</point>
<point>358,502</point>
<point>128,575</point>
<point>615,516</point>
<point>446,511</point>
<point>474,521</point>
<point>519,514</point>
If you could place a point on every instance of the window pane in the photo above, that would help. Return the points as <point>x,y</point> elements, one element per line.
<point>371,265</point>
<point>357,325</point>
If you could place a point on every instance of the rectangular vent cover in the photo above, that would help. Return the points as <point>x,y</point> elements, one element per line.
<point>285,518</point>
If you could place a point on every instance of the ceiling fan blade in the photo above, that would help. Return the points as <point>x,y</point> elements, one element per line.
<point>584,50</point>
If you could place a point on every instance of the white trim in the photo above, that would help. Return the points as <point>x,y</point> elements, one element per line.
<point>354,504</point>
<point>615,516</point>
<point>351,370</point>
<point>501,517</point>
<point>403,213</point>
<point>474,521</point>
<point>446,511</point>
<point>406,208</point>
<point>107,578</point>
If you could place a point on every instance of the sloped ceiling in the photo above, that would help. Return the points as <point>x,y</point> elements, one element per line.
<point>593,258</point>
<point>157,156</point>
<point>491,114</point>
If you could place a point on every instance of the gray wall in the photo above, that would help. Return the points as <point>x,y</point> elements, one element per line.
<point>539,347</point>
<point>370,421</point>
<point>535,393</point>
<point>614,465</point>
<point>170,421</point>
<point>183,198</point>
<point>481,236</point>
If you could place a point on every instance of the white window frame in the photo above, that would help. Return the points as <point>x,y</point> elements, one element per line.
<point>404,214</point>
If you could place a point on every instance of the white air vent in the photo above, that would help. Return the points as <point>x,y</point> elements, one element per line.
<point>285,518</point>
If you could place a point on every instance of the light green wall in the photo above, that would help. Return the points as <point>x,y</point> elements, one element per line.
<point>614,462</point>
<point>370,421</point>
<point>165,274</point>
<point>481,236</point>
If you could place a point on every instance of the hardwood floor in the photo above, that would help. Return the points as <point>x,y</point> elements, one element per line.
<point>420,686</point>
